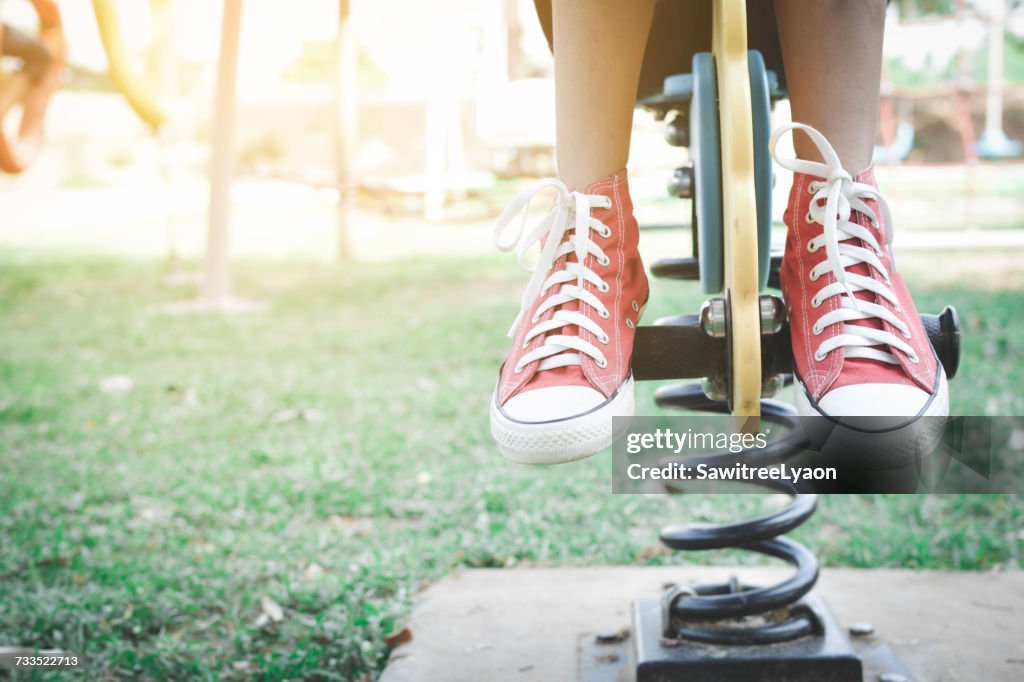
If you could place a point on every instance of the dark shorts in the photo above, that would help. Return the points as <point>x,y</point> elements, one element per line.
<point>681,28</point>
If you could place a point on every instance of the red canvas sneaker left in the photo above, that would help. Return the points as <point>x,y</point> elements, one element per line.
<point>568,373</point>
<point>859,349</point>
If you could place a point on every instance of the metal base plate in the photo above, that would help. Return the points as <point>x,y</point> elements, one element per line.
<point>825,658</point>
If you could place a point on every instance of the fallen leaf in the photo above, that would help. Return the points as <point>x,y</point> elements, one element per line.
<point>396,639</point>
<point>294,414</point>
<point>118,384</point>
<point>272,610</point>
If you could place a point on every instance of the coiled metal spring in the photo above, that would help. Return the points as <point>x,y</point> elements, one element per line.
<point>731,612</point>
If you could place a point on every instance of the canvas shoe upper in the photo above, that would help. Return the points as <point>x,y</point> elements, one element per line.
<point>859,348</point>
<point>568,371</point>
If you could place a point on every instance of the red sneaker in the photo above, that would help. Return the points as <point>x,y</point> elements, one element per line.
<point>568,372</point>
<point>859,348</point>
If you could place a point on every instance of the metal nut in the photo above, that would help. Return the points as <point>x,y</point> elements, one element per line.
<point>712,318</point>
<point>773,314</point>
<point>681,183</point>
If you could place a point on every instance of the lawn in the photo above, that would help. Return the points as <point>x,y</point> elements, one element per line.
<point>266,499</point>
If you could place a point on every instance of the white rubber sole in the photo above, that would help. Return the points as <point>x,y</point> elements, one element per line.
<point>564,440</point>
<point>937,407</point>
<point>881,442</point>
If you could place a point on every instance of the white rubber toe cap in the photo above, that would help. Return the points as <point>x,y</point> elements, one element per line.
<point>875,400</point>
<point>552,403</point>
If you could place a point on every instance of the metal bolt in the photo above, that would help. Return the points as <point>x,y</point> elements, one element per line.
<point>681,183</point>
<point>678,132</point>
<point>861,629</point>
<point>773,314</point>
<point>893,677</point>
<point>712,318</point>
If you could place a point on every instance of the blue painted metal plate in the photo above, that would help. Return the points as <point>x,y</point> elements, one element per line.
<point>706,153</point>
<point>761,109</point>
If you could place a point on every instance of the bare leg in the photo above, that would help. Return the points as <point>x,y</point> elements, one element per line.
<point>833,55</point>
<point>599,47</point>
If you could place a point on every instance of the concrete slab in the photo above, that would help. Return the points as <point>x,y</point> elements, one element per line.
<point>530,625</point>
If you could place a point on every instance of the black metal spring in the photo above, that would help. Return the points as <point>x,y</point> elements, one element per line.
<point>717,613</point>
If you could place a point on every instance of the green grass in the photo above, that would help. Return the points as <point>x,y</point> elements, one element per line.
<point>142,531</point>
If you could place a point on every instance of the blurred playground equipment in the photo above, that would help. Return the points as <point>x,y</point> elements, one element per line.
<point>421,144</point>
<point>135,88</point>
<point>27,91</point>
<point>899,102</point>
<point>21,140</point>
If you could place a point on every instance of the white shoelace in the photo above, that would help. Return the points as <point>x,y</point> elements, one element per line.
<point>571,277</point>
<point>841,196</point>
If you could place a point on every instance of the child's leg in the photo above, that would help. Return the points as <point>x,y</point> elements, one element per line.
<point>568,371</point>
<point>599,47</point>
<point>833,55</point>
<point>858,344</point>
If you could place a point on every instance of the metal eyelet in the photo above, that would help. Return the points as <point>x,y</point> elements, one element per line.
<point>603,339</point>
<point>809,218</point>
<point>914,359</point>
<point>630,324</point>
<point>906,334</point>
<point>813,276</point>
<point>812,246</point>
<point>816,329</point>
<point>819,356</point>
<point>607,232</point>
<point>815,302</point>
<point>636,308</point>
<point>602,363</point>
<point>604,314</point>
<point>604,260</point>
<point>603,287</point>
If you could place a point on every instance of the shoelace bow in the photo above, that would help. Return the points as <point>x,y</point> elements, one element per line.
<point>834,201</point>
<point>552,232</point>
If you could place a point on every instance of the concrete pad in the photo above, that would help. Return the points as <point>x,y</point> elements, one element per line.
<point>530,625</point>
